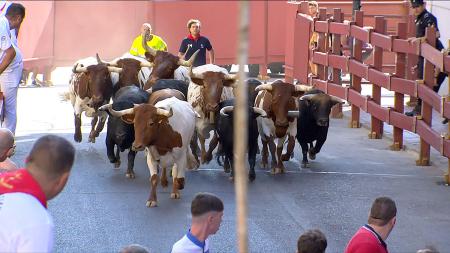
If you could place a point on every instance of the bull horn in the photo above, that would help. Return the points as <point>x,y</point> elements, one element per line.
<point>113,63</point>
<point>146,64</point>
<point>105,107</point>
<point>307,97</point>
<point>189,62</point>
<point>231,77</point>
<point>193,75</point>
<point>266,86</point>
<point>164,112</point>
<point>114,69</point>
<point>150,90</point>
<point>99,61</point>
<point>147,48</point>
<point>293,114</point>
<point>260,111</point>
<point>301,87</point>
<point>336,100</point>
<point>79,69</point>
<point>120,113</point>
<point>225,110</point>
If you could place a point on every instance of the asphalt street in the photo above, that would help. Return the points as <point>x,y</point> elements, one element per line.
<point>101,210</point>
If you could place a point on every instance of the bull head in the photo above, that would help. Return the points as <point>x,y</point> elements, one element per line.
<point>319,106</point>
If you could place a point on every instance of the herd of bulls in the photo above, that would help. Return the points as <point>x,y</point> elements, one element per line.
<point>164,106</point>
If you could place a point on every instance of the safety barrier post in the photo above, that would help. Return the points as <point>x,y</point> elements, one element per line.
<point>376,124</point>
<point>356,80</point>
<point>322,70</point>
<point>336,111</point>
<point>400,72</point>
<point>447,99</point>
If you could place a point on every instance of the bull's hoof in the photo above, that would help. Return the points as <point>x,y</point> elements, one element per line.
<point>264,164</point>
<point>91,139</point>
<point>251,177</point>
<point>277,170</point>
<point>226,167</point>
<point>180,183</point>
<point>312,154</point>
<point>117,164</point>
<point>175,195</point>
<point>151,203</point>
<point>130,175</point>
<point>285,157</point>
<point>77,138</point>
<point>164,182</point>
<point>208,158</point>
<point>305,164</point>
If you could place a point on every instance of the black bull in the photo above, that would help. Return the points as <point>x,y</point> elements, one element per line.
<point>313,122</point>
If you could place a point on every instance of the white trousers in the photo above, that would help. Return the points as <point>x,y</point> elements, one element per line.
<point>9,85</point>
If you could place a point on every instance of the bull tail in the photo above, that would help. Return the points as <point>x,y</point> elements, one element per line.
<point>191,161</point>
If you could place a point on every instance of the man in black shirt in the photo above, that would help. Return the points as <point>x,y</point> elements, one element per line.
<point>423,20</point>
<point>195,41</point>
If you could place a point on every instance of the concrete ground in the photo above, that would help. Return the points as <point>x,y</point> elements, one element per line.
<point>100,210</point>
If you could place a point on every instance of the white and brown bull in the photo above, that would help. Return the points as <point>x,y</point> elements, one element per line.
<point>90,87</point>
<point>276,99</point>
<point>164,131</point>
<point>210,84</point>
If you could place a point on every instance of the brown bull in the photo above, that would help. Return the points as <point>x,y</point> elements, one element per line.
<point>130,72</point>
<point>276,99</point>
<point>90,87</point>
<point>164,64</point>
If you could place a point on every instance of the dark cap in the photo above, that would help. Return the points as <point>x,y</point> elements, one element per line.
<point>416,3</point>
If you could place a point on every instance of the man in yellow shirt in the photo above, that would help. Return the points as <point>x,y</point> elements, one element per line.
<point>153,41</point>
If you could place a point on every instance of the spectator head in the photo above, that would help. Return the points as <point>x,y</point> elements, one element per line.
<point>312,241</point>
<point>7,145</point>
<point>313,8</point>
<point>134,248</point>
<point>15,15</point>
<point>428,249</point>
<point>418,7</point>
<point>50,161</point>
<point>207,209</point>
<point>193,26</point>
<point>383,214</point>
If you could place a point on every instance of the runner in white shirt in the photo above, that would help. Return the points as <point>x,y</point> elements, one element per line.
<point>11,64</point>
<point>207,212</point>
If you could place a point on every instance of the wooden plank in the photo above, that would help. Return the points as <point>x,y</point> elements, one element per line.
<point>337,90</point>
<point>378,111</point>
<point>319,84</point>
<point>433,55</point>
<point>379,78</point>
<point>402,121</point>
<point>446,147</point>
<point>339,28</point>
<point>429,135</point>
<point>446,109</point>
<point>447,63</point>
<point>358,68</point>
<point>321,26</point>
<point>320,58</point>
<point>405,46</point>
<point>430,97</point>
<point>381,40</point>
<point>357,99</point>
<point>338,62</point>
<point>407,87</point>
<point>360,33</point>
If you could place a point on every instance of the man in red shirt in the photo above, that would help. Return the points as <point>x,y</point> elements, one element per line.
<point>371,237</point>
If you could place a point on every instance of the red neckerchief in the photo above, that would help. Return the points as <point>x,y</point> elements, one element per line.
<point>192,37</point>
<point>22,181</point>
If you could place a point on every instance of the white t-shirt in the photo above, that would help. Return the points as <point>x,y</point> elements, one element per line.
<point>8,39</point>
<point>26,226</point>
<point>189,244</point>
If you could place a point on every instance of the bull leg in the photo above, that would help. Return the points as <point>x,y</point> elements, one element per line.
<point>212,146</point>
<point>77,136</point>
<point>280,167</point>
<point>152,166</point>
<point>272,148</point>
<point>316,149</point>
<point>304,146</point>
<point>290,149</point>
<point>194,146</point>
<point>130,171</point>
<point>164,181</point>
<point>92,133</point>
<point>230,160</point>
<point>117,156</point>
<point>103,116</point>
<point>265,153</point>
<point>110,150</point>
<point>178,183</point>
<point>253,149</point>
<point>203,149</point>
<point>227,165</point>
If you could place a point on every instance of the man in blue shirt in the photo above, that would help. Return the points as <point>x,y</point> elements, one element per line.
<point>195,41</point>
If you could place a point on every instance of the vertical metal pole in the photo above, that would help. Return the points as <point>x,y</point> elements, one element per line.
<point>240,130</point>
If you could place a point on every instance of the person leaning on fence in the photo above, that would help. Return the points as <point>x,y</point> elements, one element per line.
<point>312,241</point>
<point>153,41</point>
<point>11,65</point>
<point>26,225</point>
<point>207,212</point>
<point>7,147</point>
<point>424,19</point>
<point>193,42</point>
<point>371,237</point>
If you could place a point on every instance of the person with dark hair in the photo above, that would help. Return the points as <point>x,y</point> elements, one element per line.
<point>11,65</point>
<point>207,212</point>
<point>7,148</point>
<point>193,42</point>
<point>371,237</point>
<point>312,241</point>
<point>134,248</point>
<point>26,225</point>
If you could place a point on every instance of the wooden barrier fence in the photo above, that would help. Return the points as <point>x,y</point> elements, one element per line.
<point>328,55</point>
